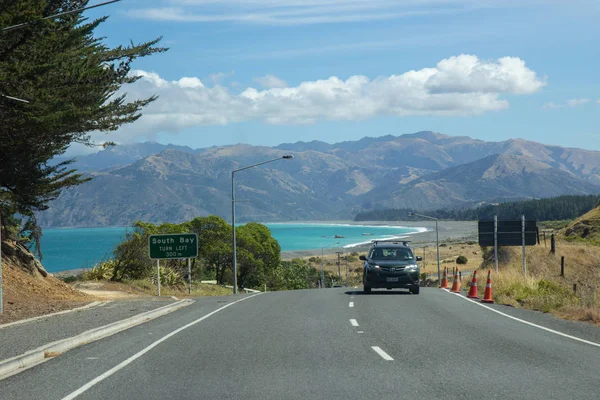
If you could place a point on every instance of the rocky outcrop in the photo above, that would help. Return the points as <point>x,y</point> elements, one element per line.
<point>22,257</point>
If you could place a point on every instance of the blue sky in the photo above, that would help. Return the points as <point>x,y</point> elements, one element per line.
<point>266,72</point>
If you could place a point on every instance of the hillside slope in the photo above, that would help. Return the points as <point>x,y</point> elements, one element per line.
<point>585,228</point>
<point>28,291</point>
<point>494,178</point>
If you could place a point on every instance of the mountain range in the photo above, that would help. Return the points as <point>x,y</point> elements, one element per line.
<point>425,170</point>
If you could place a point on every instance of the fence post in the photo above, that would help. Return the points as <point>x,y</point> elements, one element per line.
<point>562,266</point>
<point>545,245</point>
<point>552,244</point>
<point>574,288</point>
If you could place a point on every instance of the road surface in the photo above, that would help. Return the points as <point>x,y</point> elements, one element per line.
<point>329,344</point>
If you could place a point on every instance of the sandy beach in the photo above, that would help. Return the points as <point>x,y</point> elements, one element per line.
<point>449,232</point>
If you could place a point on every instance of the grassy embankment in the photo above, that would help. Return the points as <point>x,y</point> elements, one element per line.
<point>143,287</point>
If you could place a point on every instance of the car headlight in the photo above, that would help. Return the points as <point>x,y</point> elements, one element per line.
<point>374,267</point>
<point>412,267</point>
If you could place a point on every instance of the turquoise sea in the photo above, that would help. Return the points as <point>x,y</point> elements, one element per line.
<point>74,248</point>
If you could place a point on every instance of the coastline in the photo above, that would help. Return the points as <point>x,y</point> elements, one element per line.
<point>449,232</point>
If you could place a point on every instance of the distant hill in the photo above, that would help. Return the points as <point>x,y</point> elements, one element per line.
<point>559,208</point>
<point>493,178</point>
<point>424,170</point>
<point>121,155</point>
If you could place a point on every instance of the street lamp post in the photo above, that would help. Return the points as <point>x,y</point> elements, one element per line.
<point>437,239</point>
<point>235,288</point>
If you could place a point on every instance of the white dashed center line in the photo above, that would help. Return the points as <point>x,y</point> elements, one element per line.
<point>353,322</point>
<point>382,353</point>
<point>351,304</point>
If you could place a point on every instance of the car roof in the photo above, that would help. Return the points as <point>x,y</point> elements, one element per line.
<point>388,244</point>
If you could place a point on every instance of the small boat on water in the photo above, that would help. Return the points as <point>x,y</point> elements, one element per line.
<point>367,234</point>
<point>339,237</point>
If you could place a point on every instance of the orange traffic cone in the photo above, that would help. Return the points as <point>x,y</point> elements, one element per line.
<point>487,298</point>
<point>445,279</point>
<point>473,290</point>
<point>456,283</point>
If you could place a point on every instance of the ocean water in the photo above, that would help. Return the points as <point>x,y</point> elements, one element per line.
<point>74,248</point>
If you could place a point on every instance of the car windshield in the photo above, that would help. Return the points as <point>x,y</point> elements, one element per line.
<point>392,254</point>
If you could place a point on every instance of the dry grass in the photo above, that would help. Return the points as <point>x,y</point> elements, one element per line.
<point>544,289</point>
<point>198,289</point>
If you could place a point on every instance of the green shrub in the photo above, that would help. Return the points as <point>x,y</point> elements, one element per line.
<point>101,271</point>
<point>354,254</point>
<point>69,279</point>
<point>462,260</point>
<point>168,277</point>
<point>443,245</point>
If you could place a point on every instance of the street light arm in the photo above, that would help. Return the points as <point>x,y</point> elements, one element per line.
<point>261,163</point>
<point>424,216</point>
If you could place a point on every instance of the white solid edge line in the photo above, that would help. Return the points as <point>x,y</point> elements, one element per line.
<point>354,322</point>
<point>382,353</point>
<point>351,304</point>
<point>134,357</point>
<point>530,323</point>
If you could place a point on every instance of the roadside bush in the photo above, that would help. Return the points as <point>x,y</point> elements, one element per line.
<point>101,271</point>
<point>462,260</point>
<point>168,277</point>
<point>354,254</point>
<point>352,259</point>
<point>443,245</point>
<point>69,279</point>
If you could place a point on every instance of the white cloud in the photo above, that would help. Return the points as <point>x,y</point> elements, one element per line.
<point>457,86</point>
<point>570,103</point>
<point>300,12</point>
<point>271,81</point>
<point>551,106</point>
<point>577,102</point>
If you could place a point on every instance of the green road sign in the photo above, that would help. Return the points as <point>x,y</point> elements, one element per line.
<point>181,245</point>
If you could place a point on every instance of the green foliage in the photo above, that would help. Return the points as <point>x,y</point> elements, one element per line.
<point>168,277</point>
<point>71,79</point>
<point>292,275</point>
<point>352,258</point>
<point>258,254</point>
<point>551,209</point>
<point>555,225</point>
<point>462,260</point>
<point>101,271</point>
<point>70,279</point>
<point>354,254</point>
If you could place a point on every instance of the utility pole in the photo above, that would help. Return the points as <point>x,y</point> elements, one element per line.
<point>339,253</point>
<point>346,270</point>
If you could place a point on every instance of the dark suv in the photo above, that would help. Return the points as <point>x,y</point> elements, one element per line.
<point>391,265</point>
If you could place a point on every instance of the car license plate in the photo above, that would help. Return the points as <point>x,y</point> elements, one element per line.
<point>392,279</point>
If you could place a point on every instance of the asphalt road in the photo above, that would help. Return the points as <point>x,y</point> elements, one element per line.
<point>328,344</point>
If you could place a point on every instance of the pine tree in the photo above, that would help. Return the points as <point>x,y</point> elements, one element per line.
<point>73,83</point>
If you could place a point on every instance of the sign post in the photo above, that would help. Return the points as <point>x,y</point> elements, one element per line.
<point>158,275</point>
<point>189,276</point>
<point>508,233</point>
<point>523,239</point>
<point>0,262</point>
<point>173,246</point>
